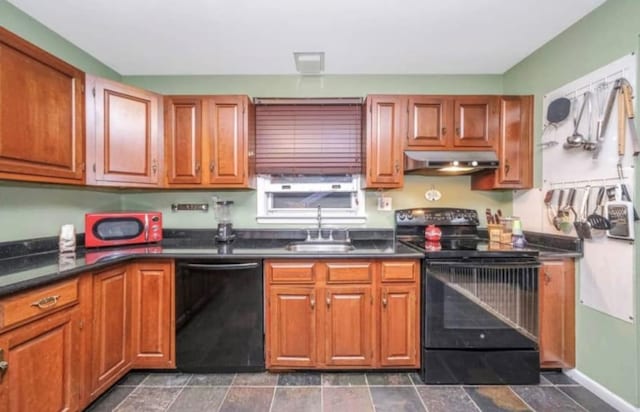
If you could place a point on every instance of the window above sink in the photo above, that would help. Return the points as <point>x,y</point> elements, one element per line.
<point>295,199</point>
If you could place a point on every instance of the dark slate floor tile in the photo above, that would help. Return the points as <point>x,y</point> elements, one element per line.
<point>243,399</point>
<point>496,399</point>
<point>256,379</point>
<point>132,379</point>
<point>343,379</point>
<point>446,399</point>
<point>111,399</point>
<point>544,381</point>
<point>199,399</point>
<point>546,399</point>
<point>396,399</point>
<point>416,379</point>
<point>587,399</point>
<point>149,399</point>
<point>213,379</point>
<point>299,379</point>
<point>385,379</point>
<point>558,378</point>
<point>346,399</point>
<point>166,379</point>
<point>294,399</point>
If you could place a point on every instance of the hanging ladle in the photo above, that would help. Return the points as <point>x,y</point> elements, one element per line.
<point>576,139</point>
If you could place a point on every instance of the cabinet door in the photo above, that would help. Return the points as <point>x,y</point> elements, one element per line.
<point>475,121</point>
<point>515,147</point>
<point>42,114</point>
<point>399,326</point>
<point>291,327</point>
<point>183,139</point>
<point>430,122</point>
<point>227,140</point>
<point>383,142</point>
<point>111,340</point>
<point>153,339</point>
<point>122,137</point>
<point>44,367</point>
<point>348,335</point>
<point>557,314</point>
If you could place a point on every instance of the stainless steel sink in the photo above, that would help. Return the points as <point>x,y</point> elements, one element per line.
<point>320,247</point>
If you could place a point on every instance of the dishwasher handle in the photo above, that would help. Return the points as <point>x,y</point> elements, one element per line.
<point>223,266</point>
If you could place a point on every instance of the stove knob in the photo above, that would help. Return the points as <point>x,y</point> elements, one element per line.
<point>410,216</point>
<point>401,216</point>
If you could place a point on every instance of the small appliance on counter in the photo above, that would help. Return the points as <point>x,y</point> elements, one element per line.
<point>122,228</point>
<point>225,227</point>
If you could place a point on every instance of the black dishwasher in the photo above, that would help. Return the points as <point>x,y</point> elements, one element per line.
<point>219,316</point>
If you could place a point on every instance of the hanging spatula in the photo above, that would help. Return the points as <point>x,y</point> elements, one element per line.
<point>597,221</point>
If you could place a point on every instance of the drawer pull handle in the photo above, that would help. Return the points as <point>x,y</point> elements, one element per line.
<point>47,302</point>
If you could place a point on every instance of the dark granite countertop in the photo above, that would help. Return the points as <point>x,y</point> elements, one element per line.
<point>41,267</point>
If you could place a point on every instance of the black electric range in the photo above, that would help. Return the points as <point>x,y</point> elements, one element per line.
<point>479,301</point>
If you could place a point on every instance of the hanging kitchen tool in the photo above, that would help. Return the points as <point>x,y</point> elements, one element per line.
<point>576,139</point>
<point>597,220</point>
<point>622,133</point>
<point>557,112</point>
<point>581,225</point>
<point>560,213</point>
<point>624,195</point>
<point>627,92</point>
<point>548,198</point>
<point>605,118</point>
<point>566,224</point>
<point>620,214</point>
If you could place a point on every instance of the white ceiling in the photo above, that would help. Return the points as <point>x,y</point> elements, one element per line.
<point>137,37</point>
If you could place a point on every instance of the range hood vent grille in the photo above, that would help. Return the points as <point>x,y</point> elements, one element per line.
<point>447,163</point>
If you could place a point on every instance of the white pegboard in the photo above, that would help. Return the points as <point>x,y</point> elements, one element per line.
<point>607,270</point>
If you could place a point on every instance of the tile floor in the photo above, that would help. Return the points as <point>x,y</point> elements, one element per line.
<point>350,392</point>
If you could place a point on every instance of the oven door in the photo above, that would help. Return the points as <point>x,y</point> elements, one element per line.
<point>481,304</point>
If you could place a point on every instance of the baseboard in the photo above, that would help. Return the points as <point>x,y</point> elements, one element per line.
<point>602,392</point>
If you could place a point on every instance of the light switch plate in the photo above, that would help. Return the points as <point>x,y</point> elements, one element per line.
<point>384,203</point>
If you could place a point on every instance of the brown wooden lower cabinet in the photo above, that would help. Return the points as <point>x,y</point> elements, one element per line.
<point>43,364</point>
<point>557,314</point>
<point>331,314</point>
<point>111,328</point>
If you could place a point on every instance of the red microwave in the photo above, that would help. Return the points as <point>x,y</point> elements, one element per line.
<point>122,228</point>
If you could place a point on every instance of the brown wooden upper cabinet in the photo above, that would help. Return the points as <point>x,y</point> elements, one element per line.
<point>123,139</point>
<point>42,116</point>
<point>515,147</point>
<point>383,141</point>
<point>451,122</point>
<point>209,141</point>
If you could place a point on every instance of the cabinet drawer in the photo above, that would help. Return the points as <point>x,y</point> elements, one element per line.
<point>399,271</point>
<point>341,272</point>
<point>291,272</point>
<point>33,303</point>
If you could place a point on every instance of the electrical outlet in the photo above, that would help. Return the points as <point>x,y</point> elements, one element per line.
<point>384,203</point>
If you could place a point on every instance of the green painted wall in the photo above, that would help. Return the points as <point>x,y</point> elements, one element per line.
<point>27,27</point>
<point>455,193</point>
<point>607,349</point>
<point>320,86</point>
<point>32,210</point>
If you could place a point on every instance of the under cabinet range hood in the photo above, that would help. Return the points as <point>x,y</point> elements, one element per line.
<point>448,163</point>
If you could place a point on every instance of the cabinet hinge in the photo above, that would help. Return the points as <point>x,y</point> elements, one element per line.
<point>93,91</point>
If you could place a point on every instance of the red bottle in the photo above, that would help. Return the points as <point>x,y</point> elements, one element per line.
<point>432,233</point>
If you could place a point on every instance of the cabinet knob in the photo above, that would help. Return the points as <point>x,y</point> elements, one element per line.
<point>154,166</point>
<point>328,301</point>
<point>547,278</point>
<point>212,167</point>
<point>384,300</point>
<point>507,167</point>
<point>4,365</point>
<point>197,167</point>
<point>458,131</point>
<point>444,131</point>
<point>397,166</point>
<point>313,302</point>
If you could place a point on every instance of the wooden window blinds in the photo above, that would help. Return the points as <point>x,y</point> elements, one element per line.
<point>308,139</point>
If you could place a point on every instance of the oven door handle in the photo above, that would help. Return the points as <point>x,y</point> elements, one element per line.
<point>222,266</point>
<point>502,264</point>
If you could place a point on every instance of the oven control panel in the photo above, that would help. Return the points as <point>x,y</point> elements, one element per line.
<point>436,216</point>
